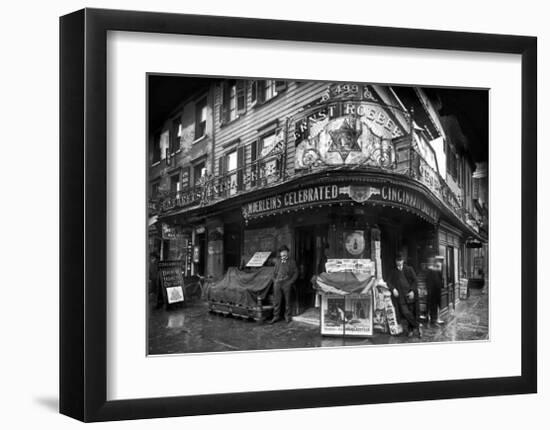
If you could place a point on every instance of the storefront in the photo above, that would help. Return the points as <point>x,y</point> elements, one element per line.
<point>339,172</point>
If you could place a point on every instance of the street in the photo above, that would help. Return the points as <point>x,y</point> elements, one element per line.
<point>193,329</point>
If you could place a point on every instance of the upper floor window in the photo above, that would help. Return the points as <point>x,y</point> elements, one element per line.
<point>262,91</point>
<point>231,170</point>
<point>155,189</point>
<point>175,135</point>
<point>233,100</point>
<point>155,151</point>
<point>199,172</point>
<point>175,183</point>
<point>201,113</point>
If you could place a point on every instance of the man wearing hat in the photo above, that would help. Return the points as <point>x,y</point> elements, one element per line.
<point>403,285</point>
<point>284,276</point>
<point>434,284</point>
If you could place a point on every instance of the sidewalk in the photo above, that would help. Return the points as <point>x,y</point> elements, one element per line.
<point>194,329</point>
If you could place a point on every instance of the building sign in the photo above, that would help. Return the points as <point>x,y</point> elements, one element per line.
<point>171,279</point>
<point>409,199</point>
<point>300,197</point>
<point>347,132</point>
<point>258,259</point>
<point>348,90</point>
<point>349,126</point>
<point>347,315</point>
<point>390,195</point>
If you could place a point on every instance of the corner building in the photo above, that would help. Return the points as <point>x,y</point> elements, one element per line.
<point>321,168</point>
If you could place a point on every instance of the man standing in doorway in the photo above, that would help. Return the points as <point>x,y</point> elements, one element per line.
<point>434,284</point>
<point>402,283</point>
<point>284,276</point>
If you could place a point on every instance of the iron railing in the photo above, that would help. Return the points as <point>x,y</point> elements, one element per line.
<point>273,169</point>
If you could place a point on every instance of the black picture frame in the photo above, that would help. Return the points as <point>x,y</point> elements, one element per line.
<point>83,190</point>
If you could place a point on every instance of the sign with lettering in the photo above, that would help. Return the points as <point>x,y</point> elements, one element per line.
<point>391,195</point>
<point>349,132</point>
<point>258,259</point>
<point>409,199</point>
<point>171,279</point>
<point>310,195</point>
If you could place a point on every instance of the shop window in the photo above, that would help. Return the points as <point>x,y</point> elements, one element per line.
<point>201,113</point>
<point>233,100</point>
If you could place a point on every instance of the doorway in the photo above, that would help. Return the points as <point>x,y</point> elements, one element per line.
<point>232,245</point>
<point>307,256</point>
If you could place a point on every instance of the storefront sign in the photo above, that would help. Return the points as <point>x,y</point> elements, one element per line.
<point>291,199</point>
<point>349,315</point>
<point>392,195</point>
<point>409,199</point>
<point>171,279</point>
<point>258,259</point>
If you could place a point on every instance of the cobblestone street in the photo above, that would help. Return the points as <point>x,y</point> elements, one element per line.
<point>194,329</point>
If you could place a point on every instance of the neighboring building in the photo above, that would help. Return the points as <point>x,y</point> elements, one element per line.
<point>247,166</point>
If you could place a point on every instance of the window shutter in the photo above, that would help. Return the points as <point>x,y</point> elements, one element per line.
<point>224,103</point>
<point>254,166</point>
<point>254,92</point>
<point>241,96</point>
<point>240,167</point>
<point>280,86</point>
<point>260,91</point>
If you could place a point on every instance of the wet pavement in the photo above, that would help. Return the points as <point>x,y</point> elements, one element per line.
<point>194,329</point>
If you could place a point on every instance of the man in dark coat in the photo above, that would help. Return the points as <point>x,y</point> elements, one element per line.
<point>434,284</point>
<point>284,276</point>
<point>403,285</point>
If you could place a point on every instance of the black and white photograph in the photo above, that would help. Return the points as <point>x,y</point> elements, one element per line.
<point>289,214</point>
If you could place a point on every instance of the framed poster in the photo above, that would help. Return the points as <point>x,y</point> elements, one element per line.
<point>370,133</point>
<point>347,315</point>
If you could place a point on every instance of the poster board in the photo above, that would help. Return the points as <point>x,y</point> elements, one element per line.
<point>347,315</point>
<point>171,281</point>
<point>258,259</point>
<point>353,265</point>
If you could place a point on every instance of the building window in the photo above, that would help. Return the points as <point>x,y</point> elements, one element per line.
<point>164,144</point>
<point>262,91</point>
<point>199,172</point>
<point>201,112</point>
<point>155,155</point>
<point>231,168</point>
<point>176,135</point>
<point>233,100</point>
<point>155,189</point>
<point>231,171</point>
<point>266,166</point>
<point>174,183</point>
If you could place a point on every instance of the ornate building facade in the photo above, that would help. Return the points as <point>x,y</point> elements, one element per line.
<point>249,165</point>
